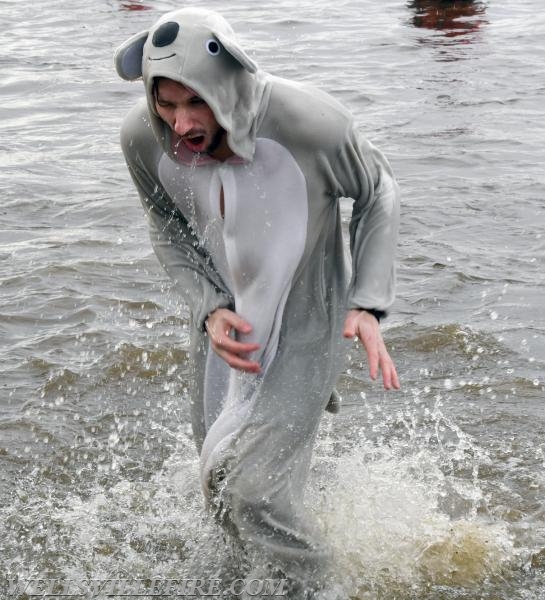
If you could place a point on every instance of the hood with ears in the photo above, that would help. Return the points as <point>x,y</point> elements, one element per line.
<point>197,48</point>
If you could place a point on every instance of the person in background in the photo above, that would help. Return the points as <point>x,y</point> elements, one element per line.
<point>453,17</point>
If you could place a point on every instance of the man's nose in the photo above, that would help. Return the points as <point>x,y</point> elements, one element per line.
<point>183,121</point>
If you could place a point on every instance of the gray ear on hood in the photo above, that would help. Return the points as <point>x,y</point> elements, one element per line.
<point>236,52</point>
<point>128,57</point>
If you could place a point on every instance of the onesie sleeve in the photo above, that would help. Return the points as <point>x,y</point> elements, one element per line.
<point>173,241</point>
<point>364,174</point>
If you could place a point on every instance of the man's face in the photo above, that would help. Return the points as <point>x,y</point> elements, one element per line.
<point>190,118</point>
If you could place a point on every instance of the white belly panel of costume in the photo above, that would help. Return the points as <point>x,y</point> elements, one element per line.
<point>265,228</point>
<point>258,244</point>
<point>256,247</point>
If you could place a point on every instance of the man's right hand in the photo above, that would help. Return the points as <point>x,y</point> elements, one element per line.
<point>219,325</point>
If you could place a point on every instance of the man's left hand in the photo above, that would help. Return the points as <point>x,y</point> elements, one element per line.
<point>366,327</point>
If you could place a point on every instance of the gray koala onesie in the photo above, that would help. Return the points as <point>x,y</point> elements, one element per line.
<point>275,257</point>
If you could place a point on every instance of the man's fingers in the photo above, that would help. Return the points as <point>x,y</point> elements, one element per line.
<point>237,362</point>
<point>371,343</point>
<point>237,322</point>
<point>367,329</point>
<point>219,325</point>
<point>389,373</point>
<point>372,359</point>
<point>233,346</point>
<point>387,378</point>
<point>233,353</point>
<point>395,380</point>
<point>349,330</point>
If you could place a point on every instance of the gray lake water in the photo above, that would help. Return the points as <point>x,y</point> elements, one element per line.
<point>433,492</point>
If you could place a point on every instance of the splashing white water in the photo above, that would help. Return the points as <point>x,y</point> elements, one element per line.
<point>381,507</point>
<point>383,516</point>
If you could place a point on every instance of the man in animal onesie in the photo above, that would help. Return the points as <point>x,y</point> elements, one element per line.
<point>240,173</point>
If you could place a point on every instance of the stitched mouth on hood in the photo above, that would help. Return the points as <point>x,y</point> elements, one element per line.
<point>162,57</point>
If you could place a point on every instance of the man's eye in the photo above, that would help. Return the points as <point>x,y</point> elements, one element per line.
<point>197,100</point>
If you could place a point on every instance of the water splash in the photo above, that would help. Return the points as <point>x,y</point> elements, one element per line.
<point>407,513</point>
<point>389,532</point>
<point>386,508</point>
<point>132,528</point>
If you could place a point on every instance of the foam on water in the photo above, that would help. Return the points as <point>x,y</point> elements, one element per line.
<point>383,517</point>
<point>135,529</point>
<point>402,500</point>
<point>403,515</point>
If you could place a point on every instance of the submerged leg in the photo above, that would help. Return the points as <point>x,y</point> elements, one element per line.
<point>254,466</point>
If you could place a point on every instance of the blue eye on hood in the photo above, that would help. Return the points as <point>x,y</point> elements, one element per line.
<point>213,47</point>
<point>165,34</point>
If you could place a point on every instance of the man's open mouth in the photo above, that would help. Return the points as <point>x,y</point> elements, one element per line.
<point>194,143</point>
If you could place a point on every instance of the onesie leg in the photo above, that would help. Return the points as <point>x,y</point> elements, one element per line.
<point>255,464</point>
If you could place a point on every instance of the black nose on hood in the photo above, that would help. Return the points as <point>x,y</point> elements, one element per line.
<point>165,34</point>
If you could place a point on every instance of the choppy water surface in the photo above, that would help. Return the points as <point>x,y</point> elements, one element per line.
<point>434,492</point>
